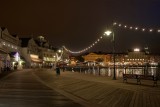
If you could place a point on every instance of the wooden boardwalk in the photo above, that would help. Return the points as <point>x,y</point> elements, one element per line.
<point>103,91</point>
<point>22,89</point>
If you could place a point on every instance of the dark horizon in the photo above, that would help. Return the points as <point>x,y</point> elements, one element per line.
<point>77,24</point>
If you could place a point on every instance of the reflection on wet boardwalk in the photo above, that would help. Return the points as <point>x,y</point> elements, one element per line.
<point>21,89</point>
<point>103,90</point>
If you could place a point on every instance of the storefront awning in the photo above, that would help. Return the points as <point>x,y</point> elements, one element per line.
<point>36,60</point>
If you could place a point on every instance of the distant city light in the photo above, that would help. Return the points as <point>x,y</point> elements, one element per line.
<point>136,50</point>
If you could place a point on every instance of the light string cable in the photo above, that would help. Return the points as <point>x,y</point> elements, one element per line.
<point>85,49</point>
<point>136,28</point>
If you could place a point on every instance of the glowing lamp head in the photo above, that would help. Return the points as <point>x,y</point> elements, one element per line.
<point>59,51</point>
<point>107,33</point>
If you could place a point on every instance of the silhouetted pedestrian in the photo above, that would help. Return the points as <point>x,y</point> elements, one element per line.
<point>57,70</point>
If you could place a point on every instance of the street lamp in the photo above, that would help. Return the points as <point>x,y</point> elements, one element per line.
<point>108,33</point>
<point>61,58</point>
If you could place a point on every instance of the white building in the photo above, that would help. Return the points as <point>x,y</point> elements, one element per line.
<point>8,45</point>
<point>30,52</point>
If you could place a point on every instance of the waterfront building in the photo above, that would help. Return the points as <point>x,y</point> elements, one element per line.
<point>94,59</point>
<point>9,44</point>
<point>30,51</point>
<point>46,52</point>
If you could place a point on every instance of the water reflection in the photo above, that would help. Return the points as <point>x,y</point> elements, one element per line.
<point>108,71</point>
<point>131,70</point>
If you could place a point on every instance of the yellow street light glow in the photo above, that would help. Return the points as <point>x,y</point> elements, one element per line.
<point>107,33</point>
<point>59,51</point>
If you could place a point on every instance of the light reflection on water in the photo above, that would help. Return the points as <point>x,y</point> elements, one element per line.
<point>120,71</point>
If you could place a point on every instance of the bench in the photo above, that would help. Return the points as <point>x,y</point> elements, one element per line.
<point>140,77</point>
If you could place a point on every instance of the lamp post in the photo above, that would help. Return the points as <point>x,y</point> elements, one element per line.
<point>113,40</point>
<point>61,51</point>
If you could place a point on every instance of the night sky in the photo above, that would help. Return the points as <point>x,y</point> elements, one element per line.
<point>78,23</point>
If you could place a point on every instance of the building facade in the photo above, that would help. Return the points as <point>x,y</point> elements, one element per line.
<point>94,59</point>
<point>9,44</point>
<point>30,51</point>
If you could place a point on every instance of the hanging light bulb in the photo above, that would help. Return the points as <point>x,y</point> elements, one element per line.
<point>143,29</point>
<point>136,28</point>
<point>150,30</point>
<point>131,27</point>
<point>114,23</point>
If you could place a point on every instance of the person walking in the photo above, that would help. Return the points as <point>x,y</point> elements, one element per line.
<point>57,70</point>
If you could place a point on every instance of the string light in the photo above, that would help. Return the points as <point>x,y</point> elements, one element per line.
<point>131,27</point>
<point>136,28</point>
<point>85,49</point>
<point>143,29</point>
<point>114,24</point>
<point>151,30</point>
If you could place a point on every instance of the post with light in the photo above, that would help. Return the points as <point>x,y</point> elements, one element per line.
<point>63,58</point>
<point>108,33</point>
